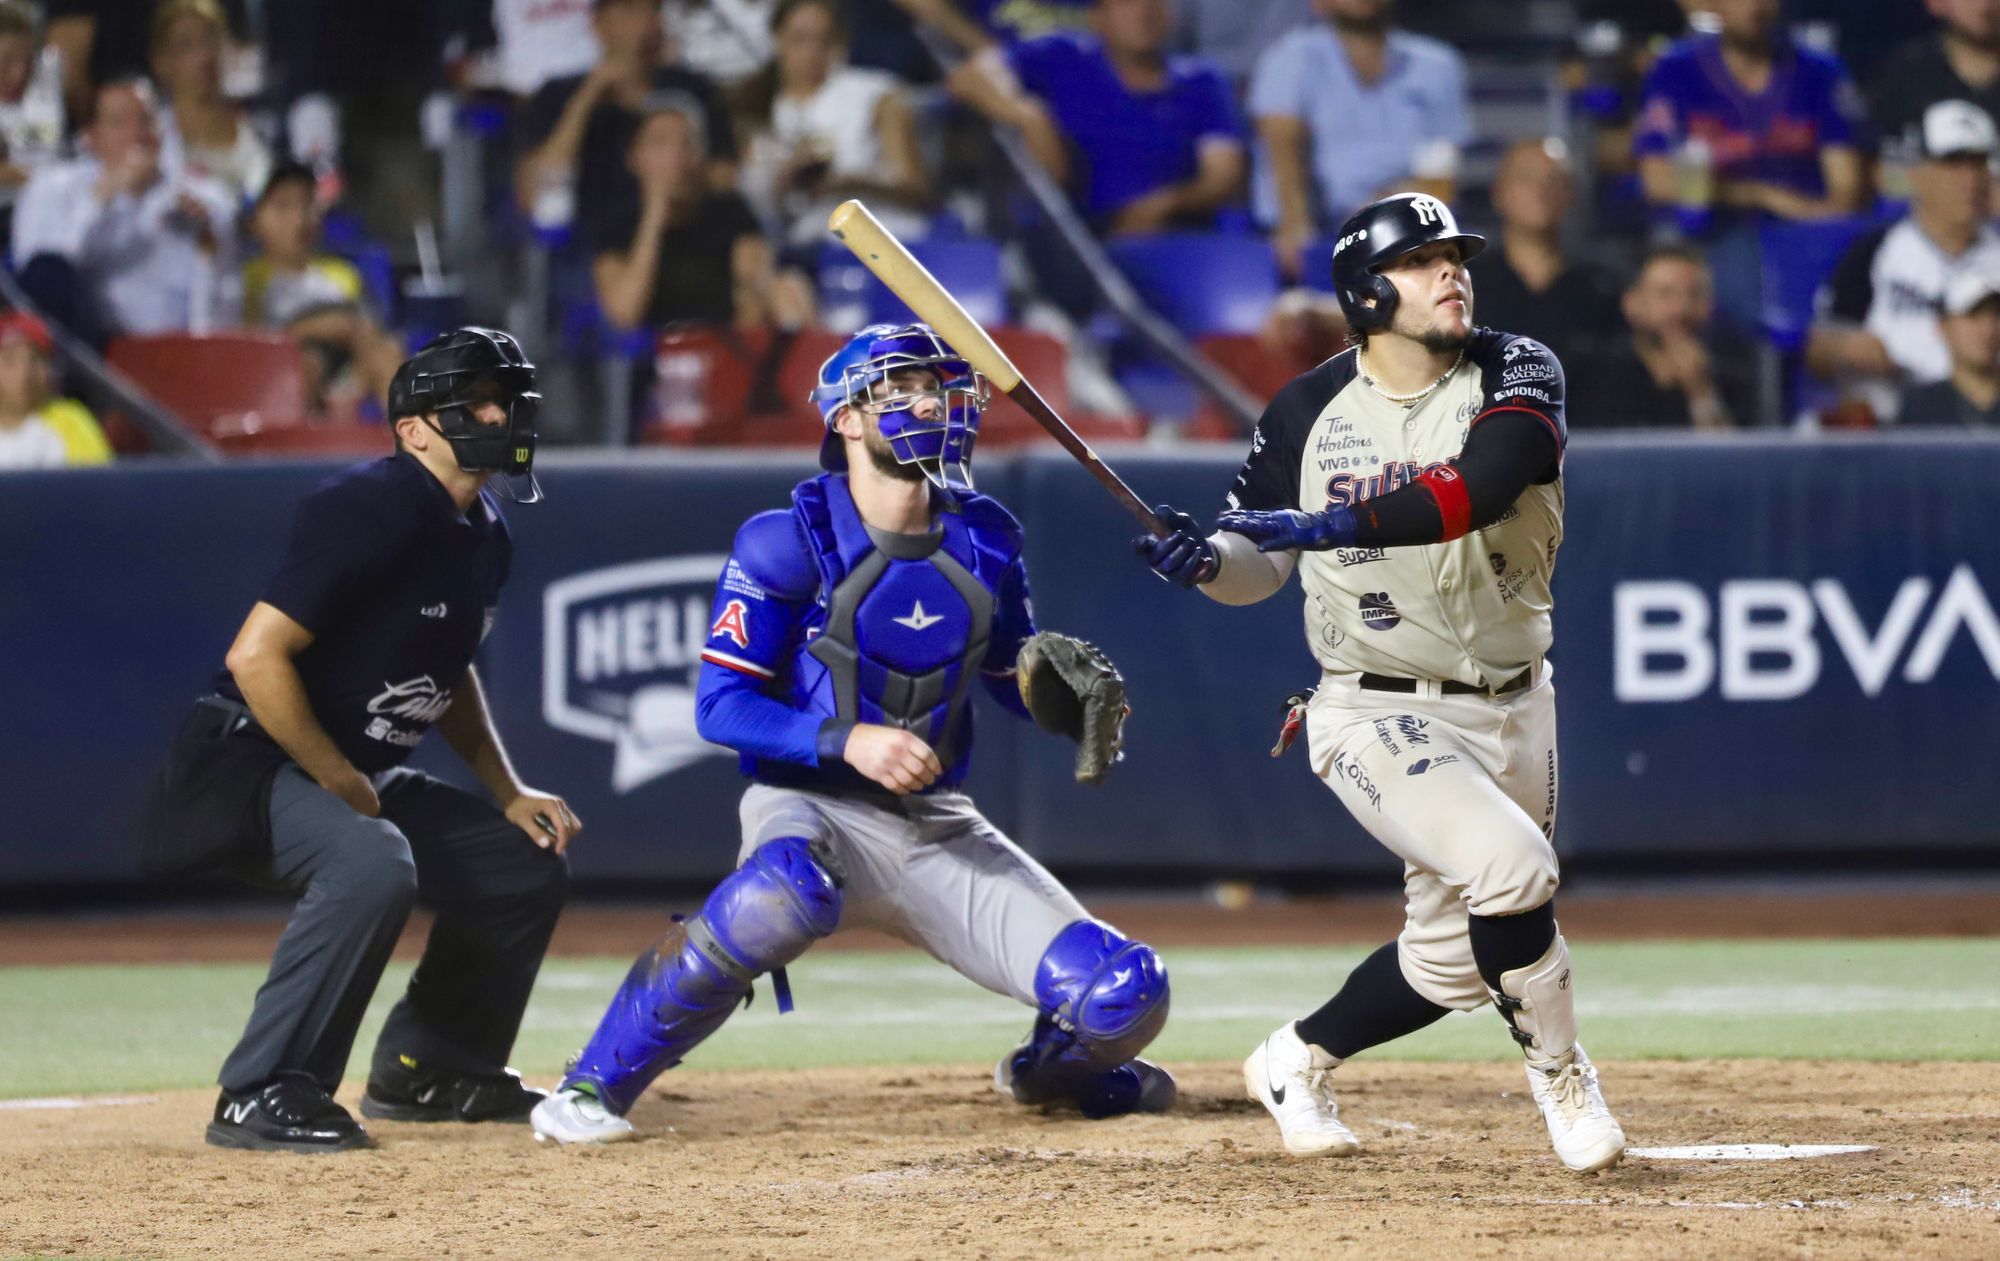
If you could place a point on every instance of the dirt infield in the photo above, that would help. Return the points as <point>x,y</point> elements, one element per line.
<point>888,1164</point>
<point>1165,922</point>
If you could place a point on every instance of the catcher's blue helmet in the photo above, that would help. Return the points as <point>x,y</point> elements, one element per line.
<point>937,439</point>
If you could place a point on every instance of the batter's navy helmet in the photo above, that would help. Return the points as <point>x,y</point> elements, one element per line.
<point>1379,233</point>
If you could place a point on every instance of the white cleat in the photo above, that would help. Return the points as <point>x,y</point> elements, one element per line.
<point>571,1116</point>
<point>1293,1082</point>
<point>1587,1137</point>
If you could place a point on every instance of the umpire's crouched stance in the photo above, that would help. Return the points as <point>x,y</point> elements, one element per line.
<point>289,775</point>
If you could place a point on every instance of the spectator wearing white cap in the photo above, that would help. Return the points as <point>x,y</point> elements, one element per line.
<point>1877,329</point>
<point>1970,325</point>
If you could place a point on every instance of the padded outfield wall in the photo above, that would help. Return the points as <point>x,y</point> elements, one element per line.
<point>1766,649</point>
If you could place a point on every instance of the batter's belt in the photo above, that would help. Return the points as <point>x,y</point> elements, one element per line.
<point>1450,687</point>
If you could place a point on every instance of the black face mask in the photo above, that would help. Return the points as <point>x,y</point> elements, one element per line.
<point>508,448</point>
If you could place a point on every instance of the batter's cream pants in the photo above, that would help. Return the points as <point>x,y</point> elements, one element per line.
<point>931,870</point>
<point>1462,788</point>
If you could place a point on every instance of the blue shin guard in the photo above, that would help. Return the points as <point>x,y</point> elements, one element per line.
<point>762,916</point>
<point>1103,998</point>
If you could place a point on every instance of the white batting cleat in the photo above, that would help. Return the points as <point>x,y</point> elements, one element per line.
<point>1587,1137</point>
<point>1293,1082</point>
<point>572,1116</point>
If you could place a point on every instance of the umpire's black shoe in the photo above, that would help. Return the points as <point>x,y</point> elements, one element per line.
<point>403,1089</point>
<point>292,1114</point>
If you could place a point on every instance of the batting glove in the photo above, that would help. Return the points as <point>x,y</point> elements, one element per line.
<point>1288,529</point>
<point>1184,556</point>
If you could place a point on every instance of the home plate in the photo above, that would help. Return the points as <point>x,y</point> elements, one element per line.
<point>1749,1151</point>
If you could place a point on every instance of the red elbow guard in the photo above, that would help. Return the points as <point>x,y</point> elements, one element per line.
<point>1454,502</point>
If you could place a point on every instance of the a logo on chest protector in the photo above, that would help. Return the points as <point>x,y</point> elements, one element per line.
<point>621,652</point>
<point>918,619</point>
<point>419,700</point>
<point>1378,611</point>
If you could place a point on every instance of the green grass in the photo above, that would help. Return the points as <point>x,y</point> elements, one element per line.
<point>92,1029</point>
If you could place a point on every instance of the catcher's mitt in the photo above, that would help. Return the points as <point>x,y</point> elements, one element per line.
<point>1071,688</point>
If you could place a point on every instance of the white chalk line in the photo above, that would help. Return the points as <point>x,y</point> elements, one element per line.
<point>1749,1151</point>
<point>72,1101</point>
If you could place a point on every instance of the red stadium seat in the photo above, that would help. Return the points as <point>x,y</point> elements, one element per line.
<point>702,378</point>
<point>348,439</point>
<point>1258,366</point>
<point>794,421</point>
<point>1044,361</point>
<point>223,385</point>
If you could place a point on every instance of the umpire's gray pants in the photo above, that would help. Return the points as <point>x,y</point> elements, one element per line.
<point>497,897</point>
<point>931,870</point>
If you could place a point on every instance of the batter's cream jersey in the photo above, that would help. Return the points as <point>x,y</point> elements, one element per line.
<point>1476,609</point>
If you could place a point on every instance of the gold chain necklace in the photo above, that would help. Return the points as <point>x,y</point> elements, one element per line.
<point>1409,400</point>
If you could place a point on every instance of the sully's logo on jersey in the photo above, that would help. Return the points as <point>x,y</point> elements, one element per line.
<point>1344,490</point>
<point>1378,611</point>
<point>621,650</point>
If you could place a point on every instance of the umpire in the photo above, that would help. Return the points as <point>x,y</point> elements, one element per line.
<point>290,775</point>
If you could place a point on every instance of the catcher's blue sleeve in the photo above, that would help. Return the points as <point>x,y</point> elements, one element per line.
<point>1013,623</point>
<point>761,605</point>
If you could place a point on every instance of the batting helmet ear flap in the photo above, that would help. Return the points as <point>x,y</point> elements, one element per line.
<point>1371,304</point>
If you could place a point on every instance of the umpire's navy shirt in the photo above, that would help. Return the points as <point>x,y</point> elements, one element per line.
<point>397,589</point>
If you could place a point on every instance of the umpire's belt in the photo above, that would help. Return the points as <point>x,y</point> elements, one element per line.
<point>231,716</point>
<point>1450,687</point>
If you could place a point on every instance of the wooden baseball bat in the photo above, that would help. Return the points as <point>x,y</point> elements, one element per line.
<point>880,252</point>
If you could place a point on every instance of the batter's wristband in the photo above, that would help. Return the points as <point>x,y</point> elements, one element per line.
<point>1454,502</point>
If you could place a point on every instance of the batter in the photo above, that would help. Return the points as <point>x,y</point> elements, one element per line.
<point>1415,483</point>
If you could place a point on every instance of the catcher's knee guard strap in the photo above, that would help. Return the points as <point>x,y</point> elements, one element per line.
<point>1540,1004</point>
<point>1104,997</point>
<point>762,916</point>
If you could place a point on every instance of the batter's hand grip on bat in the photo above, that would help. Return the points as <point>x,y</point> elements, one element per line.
<point>911,281</point>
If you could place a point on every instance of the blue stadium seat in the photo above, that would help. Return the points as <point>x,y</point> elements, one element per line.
<point>968,266</point>
<point>1202,282</point>
<point>1799,256</point>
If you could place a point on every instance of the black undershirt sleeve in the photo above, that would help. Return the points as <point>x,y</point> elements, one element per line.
<point>1505,453</point>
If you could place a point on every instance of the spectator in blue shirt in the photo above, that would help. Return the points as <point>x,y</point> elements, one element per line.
<point>1745,126</point>
<point>1144,141</point>
<point>1777,125</point>
<point>973,25</point>
<point>1349,110</point>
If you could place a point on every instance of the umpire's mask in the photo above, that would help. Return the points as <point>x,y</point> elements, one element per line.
<point>458,372</point>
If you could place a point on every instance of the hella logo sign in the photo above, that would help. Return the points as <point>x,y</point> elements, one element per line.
<point>1760,639</point>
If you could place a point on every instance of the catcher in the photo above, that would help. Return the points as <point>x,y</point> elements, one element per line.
<point>847,633</point>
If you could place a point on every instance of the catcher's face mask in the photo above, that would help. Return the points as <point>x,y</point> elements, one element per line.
<point>929,420</point>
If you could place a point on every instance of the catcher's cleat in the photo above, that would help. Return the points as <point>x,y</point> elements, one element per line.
<point>578,1116</point>
<point>1134,1086</point>
<point>1586,1136</point>
<point>290,1114</point>
<point>1292,1079</point>
<point>403,1089</point>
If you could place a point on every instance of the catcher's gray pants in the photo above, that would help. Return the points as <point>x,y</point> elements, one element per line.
<point>497,897</point>
<point>931,870</point>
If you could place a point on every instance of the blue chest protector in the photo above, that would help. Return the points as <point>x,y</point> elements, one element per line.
<point>901,625</point>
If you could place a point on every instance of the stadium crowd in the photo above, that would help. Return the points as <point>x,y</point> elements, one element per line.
<point>1719,213</point>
